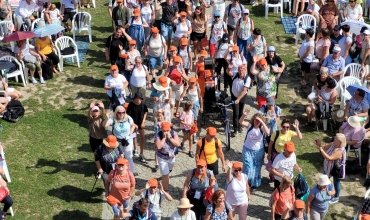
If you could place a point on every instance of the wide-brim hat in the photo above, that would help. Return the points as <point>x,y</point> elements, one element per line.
<point>339,115</point>
<point>159,87</point>
<point>184,204</point>
<point>111,141</point>
<point>354,121</point>
<point>323,180</point>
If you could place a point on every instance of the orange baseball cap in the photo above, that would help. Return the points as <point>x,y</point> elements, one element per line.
<point>183,42</point>
<point>289,146</point>
<point>203,53</point>
<point>132,42</point>
<point>153,182</point>
<point>114,67</point>
<point>299,204</point>
<point>193,80</point>
<point>237,165</point>
<point>119,1</point>
<point>183,13</point>
<point>201,163</point>
<point>155,30</point>
<point>173,48</point>
<point>136,12</point>
<point>177,59</point>
<point>235,48</point>
<point>212,131</point>
<point>124,56</point>
<point>261,62</point>
<point>122,161</point>
<point>163,81</point>
<point>166,126</point>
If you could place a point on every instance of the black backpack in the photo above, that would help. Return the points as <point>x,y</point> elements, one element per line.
<point>114,100</point>
<point>47,71</point>
<point>14,111</point>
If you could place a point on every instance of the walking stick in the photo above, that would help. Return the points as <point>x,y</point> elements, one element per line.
<point>97,176</point>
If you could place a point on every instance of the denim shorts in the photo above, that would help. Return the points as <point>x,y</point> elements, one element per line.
<point>166,31</point>
<point>155,61</point>
<point>185,131</point>
<point>125,204</point>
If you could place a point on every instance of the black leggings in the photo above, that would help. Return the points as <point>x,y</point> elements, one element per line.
<point>237,113</point>
<point>53,58</point>
<point>222,63</point>
<point>199,209</point>
<point>8,202</point>
<point>95,143</point>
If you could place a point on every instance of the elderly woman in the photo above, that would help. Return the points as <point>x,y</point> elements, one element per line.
<point>318,201</point>
<point>253,148</point>
<point>329,14</point>
<point>353,131</point>
<point>266,80</point>
<point>44,47</point>
<point>323,45</point>
<point>132,53</point>
<point>116,84</point>
<point>95,118</point>
<point>345,44</point>
<point>218,209</point>
<point>5,10</point>
<point>166,143</point>
<point>135,28</point>
<point>122,128</point>
<point>282,195</point>
<point>121,185</point>
<point>326,95</point>
<point>318,83</point>
<point>234,60</point>
<point>30,58</point>
<point>161,96</point>
<point>183,29</point>
<point>156,50</point>
<point>140,79</point>
<point>106,156</point>
<point>334,155</point>
<point>237,189</point>
<point>353,11</point>
<point>196,183</point>
<point>357,106</point>
<point>183,211</point>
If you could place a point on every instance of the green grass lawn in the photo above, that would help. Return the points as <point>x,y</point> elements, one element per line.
<point>48,154</point>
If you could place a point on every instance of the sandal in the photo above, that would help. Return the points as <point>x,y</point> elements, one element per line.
<point>303,82</point>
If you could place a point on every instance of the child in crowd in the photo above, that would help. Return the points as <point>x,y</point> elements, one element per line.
<point>186,122</point>
<point>158,119</point>
<point>54,15</point>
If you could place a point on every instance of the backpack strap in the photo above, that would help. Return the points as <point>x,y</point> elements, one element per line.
<point>202,148</point>
<point>249,129</point>
<point>276,137</point>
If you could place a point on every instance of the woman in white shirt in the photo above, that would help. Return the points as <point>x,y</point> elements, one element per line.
<point>183,28</point>
<point>353,11</point>
<point>183,211</point>
<point>221,50</point>
<point>115,82</point>
<point>140,79</point>
<point>253,148</point>
<point>237,190</point>
<point>147,12</point>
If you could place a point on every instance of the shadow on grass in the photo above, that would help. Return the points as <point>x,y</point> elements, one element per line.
<point>74,194</point>
<point>86,81</point>
<point>80,119</point>
<point>80,166</point>
<point>85,148</point>
<point>75,214</point>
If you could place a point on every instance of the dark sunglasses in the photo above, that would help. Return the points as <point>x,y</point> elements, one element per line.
<point>238,170</point>
<point>329,1</point>
<point>121,112</point>
<point>120,165</point>
<point>246,13</point>
<point>217,16</point>
<point>286,127</point>
<point>351,1</point>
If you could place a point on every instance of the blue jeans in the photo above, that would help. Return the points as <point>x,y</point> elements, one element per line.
<point>125,206</point>
<point>336,186</point>
<point>155,61</point>
<point>242,44</point>
<point>166,31</point>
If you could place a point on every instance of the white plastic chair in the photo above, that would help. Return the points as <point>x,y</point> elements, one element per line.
<point>64,42</point>
<point>9,26</point>
<point>34,23</point>
<point>304,22</point>
<point>18,72</point>
<point>85,26</point>
<point>343,84</point>
<point>276,8</point>
<point>6,173</point>
<point>356,150</point>
<point>354,70</point>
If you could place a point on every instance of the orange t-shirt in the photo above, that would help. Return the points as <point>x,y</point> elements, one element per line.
<point>200,75</point>
<point>287,195</point>
<point>121,184</point>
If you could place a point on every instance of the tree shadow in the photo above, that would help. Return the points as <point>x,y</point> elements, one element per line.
<point>80,119</point>
<point>92,95</point>
<point>73,194</point>
<point>73,214</point>
<point>85,148</point>
<point>312,158</point>
<point>86,81</point>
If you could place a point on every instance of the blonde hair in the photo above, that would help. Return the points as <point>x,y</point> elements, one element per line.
<point>284,181</point>
<point>120,108</point>
<point>53,7</point>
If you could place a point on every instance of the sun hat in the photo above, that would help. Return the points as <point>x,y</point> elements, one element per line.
<point>271,49</point>
<point>184,204</point>
<point>177,59</point>
<point>366,32</point>
<point>201,162</point>
<point>336,49</point>
<point>342,138</point>
<point>113,200</point>
<point>153,182</point>
<point>183,13</point>
<point>212,131</point>
<point>166,126</point>
<point>217,14</point>
<point>136,12</point>
<point>237,164</point>
<point>299,204</point>
<point>154,30</point>
<point>111,141</point>
<point>114,67</point>
<point>138,95</point>
<point>193,80</point>
<point>323,180</point>
<point>162,83</point>
<point>354,121</point>
<point>246,11</point>
<point>173,48</point>
<point>203,53</point>
<point>339,115</point>
<point>122,161</point>
<point>132,42</point>
<point>183,41</point>
<point>235,48</point>
<point>261,62</point>
<point>95,108</point>
<point>289,146</point>
<point>270,101</point>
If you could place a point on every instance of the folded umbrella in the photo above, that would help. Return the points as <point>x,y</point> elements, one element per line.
<point>47,30</point>
<point>4,64</point>
<point>352,89</point>
<point>19,35</point>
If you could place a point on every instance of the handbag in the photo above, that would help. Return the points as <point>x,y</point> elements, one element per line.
<point>3,193</point>
<point>338,169</point>
<point>124,143</point>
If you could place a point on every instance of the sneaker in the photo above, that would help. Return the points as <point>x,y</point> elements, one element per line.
<point>135,153</point>
<point>182,146</point>
<point>142,158</point>
<point>159,72</point>
<point>42,81</point>
<point>191,154</point>
<point>334,200</point>
<point>33,80</point>
<point>195,139</point>
<point>234,134</point>
<point>255,4</point>
<point>240,130</point>
<point>156,168</point>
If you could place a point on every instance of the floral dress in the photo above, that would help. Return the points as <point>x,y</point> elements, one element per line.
<point>266,84</point>
<point>162,96</point>
<point>218,216</point>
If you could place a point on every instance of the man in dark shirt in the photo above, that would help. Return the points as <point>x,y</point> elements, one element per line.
<point>113,45</point>
<point>335,37</point>
<point>120,15</point>
<point>170,11</point>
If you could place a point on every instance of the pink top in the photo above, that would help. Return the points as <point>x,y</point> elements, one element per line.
<point>320,47</point>
<point>358,41</point>
<point>188,118</point>
<point>354,134</point>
